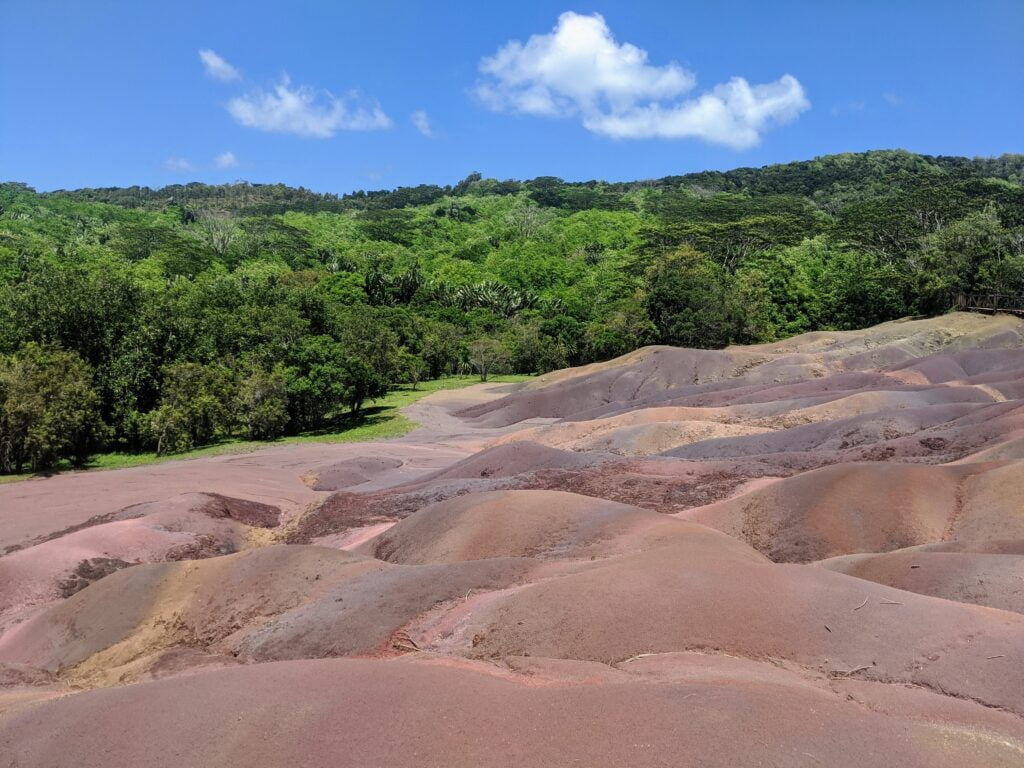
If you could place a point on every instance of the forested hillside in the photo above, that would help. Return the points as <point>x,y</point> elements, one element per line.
<point>164,319</point>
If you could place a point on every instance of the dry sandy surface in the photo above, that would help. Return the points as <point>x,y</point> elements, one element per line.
<point>280,476</point>
<point>805,553</point>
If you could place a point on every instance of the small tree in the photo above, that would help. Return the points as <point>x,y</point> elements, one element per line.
<point>692,301</point>
<point>169,429</point>
<point>362,382</point>
<point>263,404</point>
<point>487,356</point>
<point>196,406</point>
<point>49,409</point>
<point>219,231</point>
<point>443,349</point>
<point>411,367</point>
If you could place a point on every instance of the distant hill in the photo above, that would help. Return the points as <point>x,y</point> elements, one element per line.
<point>190,312</point>
<point>820,177</point>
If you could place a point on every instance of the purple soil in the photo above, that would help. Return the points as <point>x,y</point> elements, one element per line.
<point>835,579</point>
<point>514,459</point>
<point>352,472</point>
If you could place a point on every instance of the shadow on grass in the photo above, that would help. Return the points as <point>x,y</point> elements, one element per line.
<point>367,417</point>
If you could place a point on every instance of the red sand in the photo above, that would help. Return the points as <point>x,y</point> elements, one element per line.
<point>380,713</point>
<point>838,581</point>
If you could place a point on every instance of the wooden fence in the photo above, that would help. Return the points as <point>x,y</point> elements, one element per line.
<point>989,302</point>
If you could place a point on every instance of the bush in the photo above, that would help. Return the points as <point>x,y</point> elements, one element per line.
<point>169,429</point>
<point>487,356</point>
<point>197,406</point>
<point>49,409</point>
<point>263,404</point>
<point>691,301</point>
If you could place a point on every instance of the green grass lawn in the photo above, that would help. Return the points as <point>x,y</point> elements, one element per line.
<point>379,421</point>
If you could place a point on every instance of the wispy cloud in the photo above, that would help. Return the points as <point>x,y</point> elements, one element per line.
<point>377,175</point>
<point>848,108</point>
<point>218,68</point>
<point>580,70</point>
<point>421,120</point>
<point>178,164</point>
<point>892,99</point>
<point>306,111</point>
<point>226,160</point>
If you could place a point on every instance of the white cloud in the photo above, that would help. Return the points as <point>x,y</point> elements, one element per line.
<point>218,68</point>
<point>580,70</point>
<point>226,160</point>
<point>849,108</point>
<point>892,99</point>
<point>305,111</point>
<point>421,120</point>
<point>178,165</point>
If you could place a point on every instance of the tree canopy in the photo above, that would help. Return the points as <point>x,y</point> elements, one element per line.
<point>164,319</point>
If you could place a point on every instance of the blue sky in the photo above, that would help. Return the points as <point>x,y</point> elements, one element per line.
<point>344,95</point>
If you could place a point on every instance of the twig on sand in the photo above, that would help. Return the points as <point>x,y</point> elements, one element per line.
<point>998,656</point>
<point>861,605</point>
<point>402,642</point>
<point>890,602</point>
<point>849,672</point>
<point>638,656</point>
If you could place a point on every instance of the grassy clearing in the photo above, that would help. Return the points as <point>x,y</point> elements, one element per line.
<point>380,421</point>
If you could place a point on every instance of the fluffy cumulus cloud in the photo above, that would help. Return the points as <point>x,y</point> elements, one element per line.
<point>579,69</point>
<point>306,111</point>
<point>218,68</point>
<point>226,160</point>
<point>421,121</point>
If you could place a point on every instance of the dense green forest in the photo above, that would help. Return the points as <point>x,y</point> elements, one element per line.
<point>140,319</point>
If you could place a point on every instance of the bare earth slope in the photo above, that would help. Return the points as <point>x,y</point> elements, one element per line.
<point>798,554</point>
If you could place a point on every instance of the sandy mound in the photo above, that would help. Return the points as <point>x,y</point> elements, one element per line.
<point>528,605</point>
<point>863,403</point>
<point>644,432</point>
<point>545,524</point>
<point>841,509</point>
<point>186,527</point>
<point>995,580</point>
<point>513,459</point>
<point>991,507</point>
<point>851,508</point>
<point>512,465</point>
<point>711,712</point>
<point>668,372</point>
<point>352,472</point>
<point>142,610</point>
<point>830,436</point>
<point>279,602</point>
<point>691,595</point>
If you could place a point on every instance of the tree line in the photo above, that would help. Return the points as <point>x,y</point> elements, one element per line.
<point>138,319</point>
